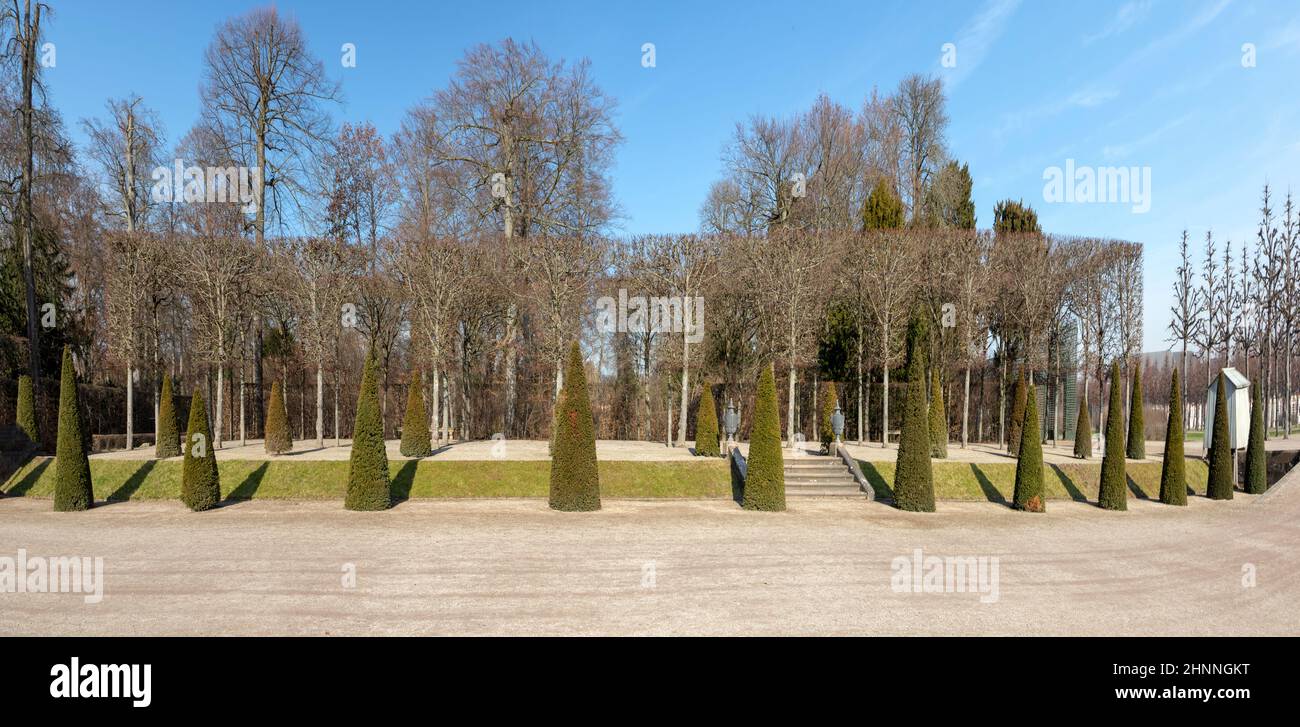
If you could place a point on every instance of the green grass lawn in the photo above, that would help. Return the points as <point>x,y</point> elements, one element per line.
<point>318,480</point>
<point>295,479</point>
<point>996,482</point>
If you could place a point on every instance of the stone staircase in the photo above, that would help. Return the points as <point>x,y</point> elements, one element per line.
<point>813,475</point>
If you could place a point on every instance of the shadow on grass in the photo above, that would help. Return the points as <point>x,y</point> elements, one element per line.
<point>133,482</point>
<point>1134,489</point>
<point>400,487</point>
<point>1070,488</point>
<point>876,480</point>
<point>23,486</point>
<point>246,489</point>
<point>991,493</point>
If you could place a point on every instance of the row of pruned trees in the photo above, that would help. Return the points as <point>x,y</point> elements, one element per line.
<point>1242,307</point>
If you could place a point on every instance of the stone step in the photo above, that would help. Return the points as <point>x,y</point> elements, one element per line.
<point>824,492</point>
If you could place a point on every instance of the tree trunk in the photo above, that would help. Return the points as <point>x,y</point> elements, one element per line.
<point>965,406</point>
<point>789,425</point>
<point>216,435</point>
<point>243,429</point>
<point>320,405</point>
<point>130,410</point>
<point>862,412</point>
<point>686,388</point>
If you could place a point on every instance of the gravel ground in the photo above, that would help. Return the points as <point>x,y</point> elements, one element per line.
<point>704,567</point>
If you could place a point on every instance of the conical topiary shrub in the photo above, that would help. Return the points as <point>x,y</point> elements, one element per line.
<point>1017,423</point>
<point>368,462</point>
<point>416,441</point>
<point>938,418</point>
<point>278,437</point>
<point>575,477</point>
<point>169,440</point>
<point>1256,459</point>
<point>1137,438</point>
<point>1029,464</point>
<point>913,478</point>
<point>765,477</point>
<point>72,488</point>
<point>200,481</point>
<point>25,417</point>
<point>706,425</point>
<point>826,430</point>
<point>1112,494</point>
<point>1173,475</point>
<point>1220,485</point>
<point>1083,432</point>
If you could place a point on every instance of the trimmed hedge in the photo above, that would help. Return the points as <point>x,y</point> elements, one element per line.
<point>1256,458</point>
<point>938,418</point>
<point>765,476</point>
<point>25,417</point>
<point>416,441</point>
<point>706,425</point>
<point>1112,493</point>
<point>1137,446</point>
<point>914,483</point>
<point>169,440</point>
<point>1083,433</point>
<point>575,477</point>
<point>278,437</point>
<point>72,490</point>
<point>1028,494</point>
<point>1220,486</point>
<point>826,432</point>
<point>368,461</point>
<point>200,480</point>
<point>1173,474</point>
<point>1017,415</point>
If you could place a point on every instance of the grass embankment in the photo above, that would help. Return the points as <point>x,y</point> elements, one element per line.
<point>324,480</point>
<point>995,482</point>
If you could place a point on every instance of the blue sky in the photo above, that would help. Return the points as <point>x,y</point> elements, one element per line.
<point>1147,83</point>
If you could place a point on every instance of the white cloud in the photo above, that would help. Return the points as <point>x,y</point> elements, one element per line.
<point>1128,15</point>
<point>976,37</point>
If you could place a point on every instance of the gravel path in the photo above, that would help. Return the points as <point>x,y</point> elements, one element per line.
<point>513,567</point>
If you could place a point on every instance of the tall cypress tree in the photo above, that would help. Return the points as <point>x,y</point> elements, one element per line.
<point>706,425</point>
<point>1017,415</point>
<point>938,418</point>
<point>1137,444</point>
<point>1113,490</point>
<point>575,477</point>
<point>765,476</point>
<point>1083,433</point>
<point>368,487</point>
<point>72,488</point>
<point>1173,476</point>
<point>913,477</point>
<point>1220,485</point>
<point>416,441</point>
<point>168,444</point>
<point>830,397</point>
<point>1256,458</point>
<point>1029,464</point>
<point>200,480</point>
<point>278,437</point>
